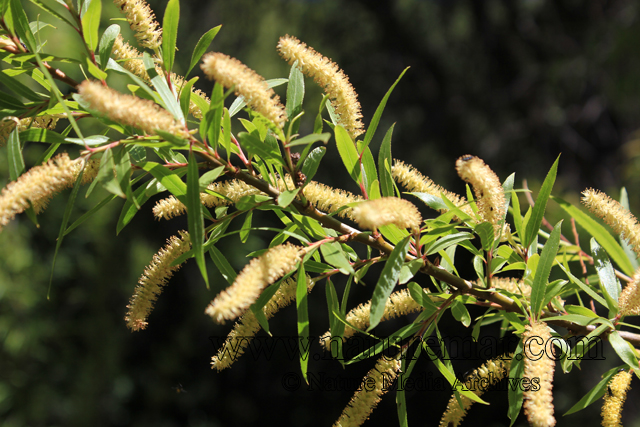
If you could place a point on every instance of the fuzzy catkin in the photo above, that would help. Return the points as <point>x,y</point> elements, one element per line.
<point>247,325</point>
<point>142,21</point>
<point>400,303</point>
<point>614,215</point>
<point>629,301</point>
<point>39,184</point>
<point>130,110</point>
<point>487,189</point>
<point>155,277</point>
<point>377,382</point>
<point>230,72</point>
<point>330,78</point>
<point>252,280</point>
<point>614,399</point>
<point>388,210</point>
<point>479,381</point>
<point>538,365</point>
<point>414,181</point>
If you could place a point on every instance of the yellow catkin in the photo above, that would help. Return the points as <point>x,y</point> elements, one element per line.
<point>155,277</point>
<point>39,184</point>
<point>130,59</point>
<point>142,21</point>
<point>513,285</point>
<point>247,325</point>
<point>388,210</point>
<point>48,121</point>
<point>252,280</point>
<point>478,382</point>
<point>330,78</point>
<point>321,196</point>
<point>614,215</point>
<point>486,187</point>
<point>399,304</point>
<point>130,110</point>
<point>230,72</point>
<point>614,399</point>
<point>414,181</point>
<point>629,301</point>
<point>378,381</point>
<point>539,366</point>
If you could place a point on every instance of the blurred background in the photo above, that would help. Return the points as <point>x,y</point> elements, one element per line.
<point>514,82</point>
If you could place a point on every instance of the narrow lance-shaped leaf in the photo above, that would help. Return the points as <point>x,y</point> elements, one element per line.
<point>312,162</point>
<point>303,321</point>
<point>295,94</point>
<point>607,276</point>
<point>371,130</point>
<point>541,205</point>
<point>384,164</point>
<point>387,281</point>
<point>223,265</point>
<point>91,23</point>
<point>624,350</point>
<point>106,44</point>
<point>543,269</point>
<point>195,218</point>
<point>170,33</point>
<point>202,46</point>
<point>16,162</point>
<point>348,153</point>
<point>63,226</point>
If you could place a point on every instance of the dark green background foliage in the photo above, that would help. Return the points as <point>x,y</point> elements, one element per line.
<point>514,82</point>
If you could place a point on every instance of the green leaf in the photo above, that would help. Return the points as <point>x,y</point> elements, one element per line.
<point>106,44</point>
<point>194,214</point>
<point>295,94</point>
<point>387,281</point>
<point>286,197</point>
<point>335,325</point>
<point>16,162</point>
<point>370,173</point>
<point>140,195</point>
<point>541,205</point>
<point>348,153</point>
<point>486,232</point>
<point>624,350</point>
<point>169,179</point>
<point>202,46</point>
<point>608,279</point>
<point>91,24</point>
<point>432,201</point>
<point>168,98</point>
<point>18,88</point>
<point>18,18</point>
<point>311,163</point>
<point>222,264</point>
<point>514,394</point>
<point>310,139</point>
<point>246,227</point>
<point>252,143</point>
<point>409,269</point>
<point>460,313</point>
<point>63,226</point>
<point>378,114</point>
<point>446,241</point>
<point>594,394</point>
<point>170,33</point>
<point>304,344</point>
<point>543,270</point>
<point>185,96</point>
<point>451,378</point>
<point>239,103</point>
<point>226,132</point>
<point>335,256</point>
<point>52,11</point>
<point>603,237</point>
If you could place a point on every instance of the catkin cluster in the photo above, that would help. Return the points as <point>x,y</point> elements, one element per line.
<point>478,381</point>
<point>486,188</point>
<point>614,215</point>
<point>39,184</point>
<point>230,72</point>
<point>328,76</point>
<point>538,365</point>
<point>629,301</point>
<point>155,277</point>
<point>388,210</point>
<point>399,304</point>
<point>142,21</point>
<point>614,399</point>
<point>252,280</point>
<point>377,382</point>
<point>247,325</point>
